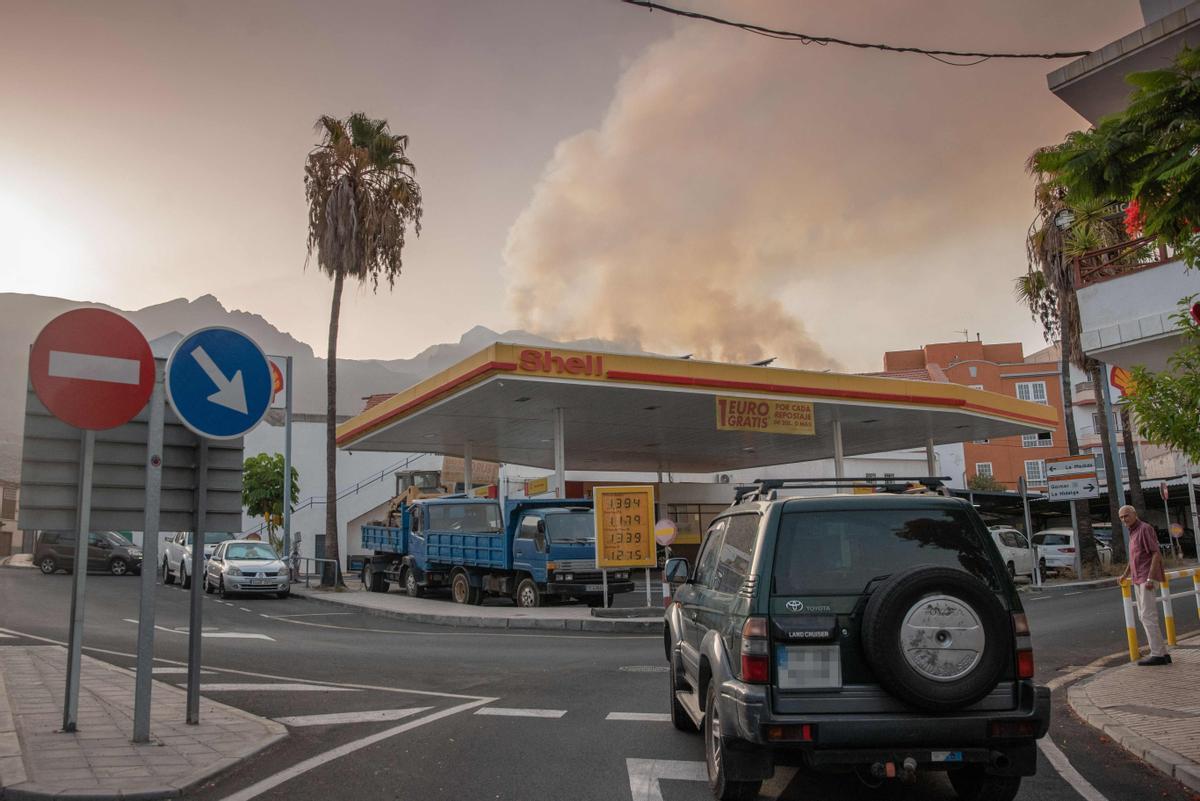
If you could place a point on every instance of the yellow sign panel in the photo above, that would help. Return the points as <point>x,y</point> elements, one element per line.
<point>536,486</point>
<point>624,526</point>
<point>768,416</point>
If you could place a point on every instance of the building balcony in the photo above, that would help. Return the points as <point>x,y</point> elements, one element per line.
<point>1083,394</point>
<point>1095,85</point>
<point>1127,295</point>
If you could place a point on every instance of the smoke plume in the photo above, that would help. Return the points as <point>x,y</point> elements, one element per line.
<point>742,194</point>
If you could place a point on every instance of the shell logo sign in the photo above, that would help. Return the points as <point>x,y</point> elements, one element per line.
<point>769,416</point>
<point>1121,379</point>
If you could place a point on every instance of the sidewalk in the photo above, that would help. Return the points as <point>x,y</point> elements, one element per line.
<point>444,612</point>
<point>1153,713</point>
<point>99,761</point>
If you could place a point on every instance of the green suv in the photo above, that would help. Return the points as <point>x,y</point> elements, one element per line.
<point>878,634</point>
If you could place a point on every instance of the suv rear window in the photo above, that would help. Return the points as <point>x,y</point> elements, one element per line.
<point>839,552</point>
<point>1051,539</point>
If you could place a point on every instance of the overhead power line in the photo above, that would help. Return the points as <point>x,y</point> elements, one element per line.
<point>807,38</point>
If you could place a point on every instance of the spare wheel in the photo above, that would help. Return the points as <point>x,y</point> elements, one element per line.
<point>936,637</point>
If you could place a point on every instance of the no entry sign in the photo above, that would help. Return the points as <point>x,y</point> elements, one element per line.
<point>92,368</point>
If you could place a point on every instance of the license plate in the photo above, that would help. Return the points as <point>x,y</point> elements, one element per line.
<point>261,582</point>
<point>808,667</point>
<point>594,587</point>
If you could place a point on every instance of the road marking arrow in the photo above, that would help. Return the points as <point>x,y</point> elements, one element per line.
<point>231,393</point>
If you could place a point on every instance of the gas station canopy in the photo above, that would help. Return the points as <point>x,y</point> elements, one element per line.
<point>647,413</point>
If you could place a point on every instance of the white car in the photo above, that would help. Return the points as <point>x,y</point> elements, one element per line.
<point>1014,550</point>
<point>247,566</point>
<point>1056,549</point>
<point>177,556</point>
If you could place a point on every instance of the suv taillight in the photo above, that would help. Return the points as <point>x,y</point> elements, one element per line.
<point>1024,646</point>
<point>756,651</point>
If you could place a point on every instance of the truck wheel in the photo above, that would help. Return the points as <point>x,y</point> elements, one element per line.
<point>972,784</point>
<point>411,587</point>
<point>715,756</point>
<point>373,579</point>
<point>527,594</point>
<point>460,588</point>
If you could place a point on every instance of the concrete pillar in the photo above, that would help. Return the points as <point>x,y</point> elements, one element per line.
<point>560,455</point>
<point>467,467</point>
<point>839,458</point>
<point>930,460</point>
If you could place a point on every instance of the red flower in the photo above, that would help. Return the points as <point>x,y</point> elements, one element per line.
<point>1134,219</point>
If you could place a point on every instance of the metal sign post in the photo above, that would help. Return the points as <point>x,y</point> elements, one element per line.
<point>1078,549</point>
<point>79,573</point>
<point>193,676</point>
<point>1165,492</point>
<point>1037,572</point>
<point>145,642</point>
<point>1191,491</point>
<point>287,457</point>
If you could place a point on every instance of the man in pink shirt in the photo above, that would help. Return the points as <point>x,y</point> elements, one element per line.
<point>1145,569</point>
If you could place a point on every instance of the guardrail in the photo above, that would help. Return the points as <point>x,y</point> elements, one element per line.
<point>1165,597</point>
<point>297,562</point>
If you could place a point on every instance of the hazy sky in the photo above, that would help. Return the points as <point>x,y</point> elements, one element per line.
<point>588,168</point>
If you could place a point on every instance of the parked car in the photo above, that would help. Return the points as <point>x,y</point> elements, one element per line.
<point>1055,549</point>
<point>1014,550</point>
<point>246,566</point>
<point>107,551</point>
<point>876,634</point>
<point>177,555</point>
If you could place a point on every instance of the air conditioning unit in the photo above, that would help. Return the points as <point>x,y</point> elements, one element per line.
<point>723,478</point>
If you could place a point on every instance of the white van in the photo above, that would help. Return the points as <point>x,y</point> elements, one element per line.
<point>1014,549</point>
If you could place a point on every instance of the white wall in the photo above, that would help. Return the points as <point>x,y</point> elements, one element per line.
<point>308,457</point>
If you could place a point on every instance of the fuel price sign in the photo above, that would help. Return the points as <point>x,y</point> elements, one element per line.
<point>625,526</point>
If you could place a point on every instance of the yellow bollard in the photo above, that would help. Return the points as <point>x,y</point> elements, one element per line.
<point>1164,592</point>
<point>1196,589</point>
<point>1130,630</point>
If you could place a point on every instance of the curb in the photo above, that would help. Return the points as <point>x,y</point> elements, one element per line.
<point>1178,767</point>
<point>597,625</point>
<point>1074,585</point>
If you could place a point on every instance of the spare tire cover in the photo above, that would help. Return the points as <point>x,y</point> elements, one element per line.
<point>936,637</point>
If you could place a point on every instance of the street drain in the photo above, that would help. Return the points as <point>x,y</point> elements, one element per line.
<point>643,668</point>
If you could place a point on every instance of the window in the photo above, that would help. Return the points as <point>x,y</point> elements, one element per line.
<point>1044,439</point>
<point>1035,471</point>
<point>870,476</point>
<point>706,566</point>
<point>983,469</point>
<point>1032,391</point>
<point>981,441</point>
<point>975,386</point>
<point>842,552</point>
<point>49,538</point>
<point>733,562</point>
<point>8,506</point>
<point>528,528</point>
<point>473,518</point>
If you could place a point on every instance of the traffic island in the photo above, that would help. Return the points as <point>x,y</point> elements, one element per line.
<point>99,761</point>
<point>1152,712</point>
<point>442,612</point>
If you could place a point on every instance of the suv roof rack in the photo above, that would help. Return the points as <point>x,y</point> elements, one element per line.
<point>766,488</point>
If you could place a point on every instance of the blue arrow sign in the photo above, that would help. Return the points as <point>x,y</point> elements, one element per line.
<point>219,382</point>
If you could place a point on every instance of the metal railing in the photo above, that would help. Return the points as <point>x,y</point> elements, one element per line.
<point>316,500</point>
<point>1117,260</point>
<point>296,563</point>
<point>1165,597</point>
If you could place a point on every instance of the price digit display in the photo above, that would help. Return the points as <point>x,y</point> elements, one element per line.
<point>625,526</point>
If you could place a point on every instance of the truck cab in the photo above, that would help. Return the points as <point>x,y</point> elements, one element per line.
<point>555,543</point>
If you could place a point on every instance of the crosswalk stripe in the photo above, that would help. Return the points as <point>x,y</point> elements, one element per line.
<point>656,717</point>
<point>334,718</point>
<point>159,670</point>
<point>280,687</point>
<point>520,713</point>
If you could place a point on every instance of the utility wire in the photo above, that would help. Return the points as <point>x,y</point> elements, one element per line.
<point>805,38</point>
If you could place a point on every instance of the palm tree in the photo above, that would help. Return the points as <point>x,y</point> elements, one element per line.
<point>1063,230</point>
<point>362,195</point>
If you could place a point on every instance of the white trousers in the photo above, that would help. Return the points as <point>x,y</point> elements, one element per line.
<point>1147,603</point>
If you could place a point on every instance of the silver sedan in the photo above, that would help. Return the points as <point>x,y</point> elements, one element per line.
<point>246,566</point>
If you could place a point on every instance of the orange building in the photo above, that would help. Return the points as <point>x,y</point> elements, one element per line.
<point>1003,369</point>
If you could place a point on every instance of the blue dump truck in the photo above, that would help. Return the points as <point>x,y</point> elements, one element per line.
<point>540,550</point>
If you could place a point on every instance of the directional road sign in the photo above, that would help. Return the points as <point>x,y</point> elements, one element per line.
<point>219,382</point>
<point>1070,465</point>
<point>1071,478</point>
<point>92,368</point>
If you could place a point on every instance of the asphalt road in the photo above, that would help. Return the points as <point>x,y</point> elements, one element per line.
<point>440,713</point>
